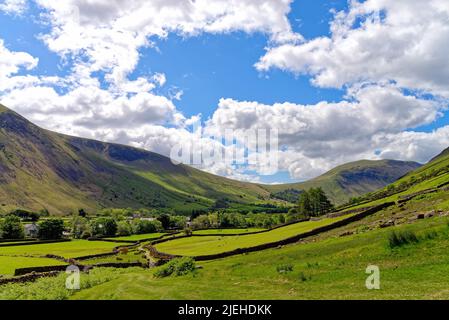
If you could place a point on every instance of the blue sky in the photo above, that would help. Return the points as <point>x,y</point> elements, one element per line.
<point>240,62</point>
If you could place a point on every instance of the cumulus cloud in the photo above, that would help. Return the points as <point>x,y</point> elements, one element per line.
<point>16,7</point>
<point>317,137</point>
<point>390,57</point>
<point>105,36</point>
<point>378,50</point>
<point>11,62</point>
<point>375,40</point>
<point>109,33</point>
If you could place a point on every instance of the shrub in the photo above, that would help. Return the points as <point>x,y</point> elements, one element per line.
<point>124,228</point>
<point>400,238</point>
<point>80,227</point>
<point>429,235</point>
<point>176,267</point>
<point>25,215</point>
<point>11,228</point>
<point>146,226</point>
<point>51,229</point>
<point>284,268</point>
<point>188,231</point>
<point>104,227</point>
<point>303,277</point>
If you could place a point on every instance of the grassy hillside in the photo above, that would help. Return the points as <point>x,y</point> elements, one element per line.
<point>354,179</point>
<point>432,175</point>
<point>42,169</point>
<point>329,265</point>
<point>45,170</point>
<point>194,246</point>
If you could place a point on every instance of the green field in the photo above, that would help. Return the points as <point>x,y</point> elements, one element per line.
<point>194,246</point>
<point>333,268</point>
<point>72,249</point>
<point>139,237</point>
<point>9,264</point>
<point>329,265</point>
<point>228,231</point>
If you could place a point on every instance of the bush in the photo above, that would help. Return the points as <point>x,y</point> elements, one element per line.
<point>51,229</point>
<point>176,267</point>
<point>284,268</point>
<point>400,238</point>
<point>104,227</point>
<point>188,231</point>
<point>303,277</point>
<point>11,228</point>
<point>80,227</point>
<point>146,226</point>
<point>25,215</point>
<point>124,228</point>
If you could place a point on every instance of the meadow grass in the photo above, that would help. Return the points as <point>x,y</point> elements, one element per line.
<point>228,231</point>
<point>194,246</point>
<point>138,237</point>
<point>9,264</point>
<point>71,249</point>
<point>55,288</point>
<point>330,269</point>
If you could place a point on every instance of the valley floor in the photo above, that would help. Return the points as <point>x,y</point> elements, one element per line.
<point>331,268</point>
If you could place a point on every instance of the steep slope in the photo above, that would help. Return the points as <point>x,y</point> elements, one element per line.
<point>354,179</point>
<point>433,175</point>
<point>42,169</point>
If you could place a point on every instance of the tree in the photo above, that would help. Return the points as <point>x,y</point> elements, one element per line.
<point>147,226</point>
<point>165,220</point>
<point>11,228</point>
<point>221,204</point>
<point>178,222</point>
<point>80,228</point>
<point>320,203</point>
<point>304,204</point>
<point>104,227</point>
<point>51,229</point>
<point>25,215</point>
<point>314,202</point>
<point>124,228</point>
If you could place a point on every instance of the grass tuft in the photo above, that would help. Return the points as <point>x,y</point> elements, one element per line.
<point>176,267</point>
<point>303,277</point>
<point>401,238</point>
<point>284,268</point>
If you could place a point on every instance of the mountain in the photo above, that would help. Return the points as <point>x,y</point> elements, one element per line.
<point>43,169</point>
<point>434,174</point>
<point>353,179</point>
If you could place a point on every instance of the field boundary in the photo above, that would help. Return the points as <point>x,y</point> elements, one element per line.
<point>242,234</point>
<point>166,256</point>
<point>30,243</point>
<point>111,239</point>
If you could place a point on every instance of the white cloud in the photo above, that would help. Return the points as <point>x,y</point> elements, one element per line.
<point>376,41</point>
<point>16,7</point>
<point>11,62</point>
<point>108,34</point>
<point>384,53</point>
<point>318,137</point>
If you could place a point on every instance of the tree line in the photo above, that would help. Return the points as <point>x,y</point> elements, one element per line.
<point>312,203</point>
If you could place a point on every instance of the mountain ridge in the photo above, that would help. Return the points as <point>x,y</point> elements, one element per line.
<point>43,169</point>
